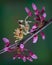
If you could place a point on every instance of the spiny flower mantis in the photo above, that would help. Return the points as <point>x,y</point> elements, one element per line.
<point>22,30</point>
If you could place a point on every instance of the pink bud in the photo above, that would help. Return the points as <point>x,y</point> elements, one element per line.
<point>15,56</point>
<point>44,15</point>
<point>24,58</point>
<point>34,26</point>
<point>6,48</point>
<point>5,40</point>
<point>30,14</point>
<point>42,18</point>
<point>29,58</point>
<point>43,10</point>
<point>42,35</point>
<point>21,46</point>
<point>35,38</point>
<point>28,11</point>
<point>37,13</point>
<point>34,6</point>
<point>34,56</point>
<point>32,30</point>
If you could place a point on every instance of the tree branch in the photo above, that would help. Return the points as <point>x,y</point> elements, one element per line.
<point>24,41</point>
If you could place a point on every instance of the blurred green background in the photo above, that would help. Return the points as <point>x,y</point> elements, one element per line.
<point>12,10</point>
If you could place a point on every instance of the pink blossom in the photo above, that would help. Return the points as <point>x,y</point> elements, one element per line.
<point>35,38</point>
<point>34,56</point>
<point>42,35</point>
<point>28,11</point>
<point>43,10</point>
<point>34,6</point>
<point>6,48</point>
<point>6,41</point>
<point>41,15</point>
<point>29,58</point>
<point>7,44</point>
<point>24,58</point>
<point>44,15</point>
<point>22,47</point>
<point>37,12</point>
<point>35,9</point>
<point>40,18</point>
<point>34,27</point>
